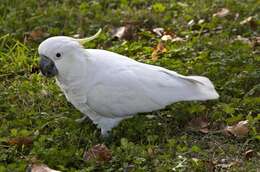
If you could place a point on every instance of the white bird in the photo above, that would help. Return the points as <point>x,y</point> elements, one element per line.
<point>109,87</point>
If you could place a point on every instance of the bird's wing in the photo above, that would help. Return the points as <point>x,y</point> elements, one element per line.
<point>122,86</point>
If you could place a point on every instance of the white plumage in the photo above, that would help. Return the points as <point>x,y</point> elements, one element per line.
<point>108,87</point>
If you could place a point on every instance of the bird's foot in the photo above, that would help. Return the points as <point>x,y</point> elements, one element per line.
<point>80,120</point>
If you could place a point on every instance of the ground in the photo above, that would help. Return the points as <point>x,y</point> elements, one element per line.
<point>217,39</point>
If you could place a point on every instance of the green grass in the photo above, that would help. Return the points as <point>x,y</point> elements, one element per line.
<point>32,106</point>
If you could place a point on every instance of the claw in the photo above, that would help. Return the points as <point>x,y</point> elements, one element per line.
<point>80,120</point>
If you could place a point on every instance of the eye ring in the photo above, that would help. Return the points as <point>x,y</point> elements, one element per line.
<point>58,56</point>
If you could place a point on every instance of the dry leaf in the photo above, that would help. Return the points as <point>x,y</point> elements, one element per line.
<point>160,48</point>
<point>199,124</point>
<point>191,23</point>
<point>20,141</point>
<point>227,166</point>
<point>40,168</point>
<point>124,32</point>
<point>247,20</point>
<point>204,130</point>
<point>152,151</point>
<point>178,39</point>
<point>250,20</point>
<point>256,41</point>
<point>237,16</point>
<point>35,35</point>
<point>210,165</point>
<point>249,154</point>
<point>99,153</point>
<point>44,93</point>
<point>222,13</point>
<point>77,36</point>
<point>158,31</point>
<point>239,130</point>
<point>201,21</point>
<point>243,39</point>
<point>166,38</point>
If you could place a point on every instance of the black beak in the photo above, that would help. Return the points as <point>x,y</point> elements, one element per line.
<point>47,67</point>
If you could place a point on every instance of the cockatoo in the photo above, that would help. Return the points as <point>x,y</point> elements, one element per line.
<point>108,87</point>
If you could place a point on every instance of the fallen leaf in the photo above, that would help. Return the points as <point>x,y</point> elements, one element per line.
<point>171,36</point>
<point>191,23</point>
<point>150,116</point>
<point>243,39</point>
<point>35,35</point>
<point>249,154</point>
<point>152,151</point>
<point>124,32</point>
<point>201,21</point>
<point>256,41</point>
<point>158,31</point>
<point>199,124</point>
<point>247,20</point>
<point>76,36</point>
<point>210,165</point>
<point>98,153</point>
<point>39,168</point>
<point>20,141</point>
<point>204,130</point>
<point>225,166</point>
<point>251,22</point>
<point>237,16</point>
<point>160,48</point>
<point>166,38</point>
<point>222,13</point>
<point>44,93</point>
<point>178,39</point>
<point>239,130</point>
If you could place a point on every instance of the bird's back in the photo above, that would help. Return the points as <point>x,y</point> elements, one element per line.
<point>122,86</point>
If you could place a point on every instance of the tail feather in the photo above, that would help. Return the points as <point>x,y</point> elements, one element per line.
<point>202,87</point>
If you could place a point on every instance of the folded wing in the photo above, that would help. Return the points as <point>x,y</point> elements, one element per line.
<point>126,87</point>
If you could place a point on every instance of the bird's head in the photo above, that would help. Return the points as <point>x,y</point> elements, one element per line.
<point>59,53</point>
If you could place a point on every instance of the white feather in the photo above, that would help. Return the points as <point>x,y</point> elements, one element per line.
<point>109,87</point>
<point>122,86</point>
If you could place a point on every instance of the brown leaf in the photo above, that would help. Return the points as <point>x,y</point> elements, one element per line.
<point>249,154</point>
<point>250,21</point>
<point>124,32</point>
<point>40,168</point>
<point>210,165</point>
<point>20,141</point>
<point>152,151</point>
<point>35,35</point>
<point>222,13</point>
<point>98,153</point>
<point>239,130</point>
<point>160,48</point>
<point>204,130</point>
<point>199,124</point>
<point>256,41</point>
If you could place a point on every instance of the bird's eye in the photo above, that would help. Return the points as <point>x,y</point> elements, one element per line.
<point>58,55</point>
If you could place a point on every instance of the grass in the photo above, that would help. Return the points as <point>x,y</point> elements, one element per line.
<point>33,107</point>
